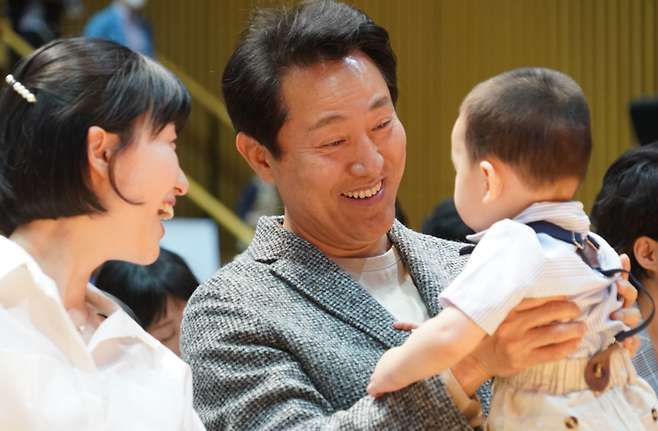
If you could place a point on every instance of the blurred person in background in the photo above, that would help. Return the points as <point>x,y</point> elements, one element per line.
<point>625,212</point>
<point>123,22</point>
<point>38,21</point>
<point>156,293</point>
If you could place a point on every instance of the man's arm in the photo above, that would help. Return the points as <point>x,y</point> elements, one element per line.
<point>245,378</point>
<point>537,331</point>
<point>530,336</point>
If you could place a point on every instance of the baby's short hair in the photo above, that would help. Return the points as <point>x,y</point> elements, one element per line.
<point>534,119</point>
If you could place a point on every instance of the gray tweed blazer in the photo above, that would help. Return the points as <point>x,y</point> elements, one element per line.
<point>282,338</point>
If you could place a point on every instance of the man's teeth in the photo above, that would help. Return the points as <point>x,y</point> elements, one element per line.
<point>362,194</point>
<point>166,212</point>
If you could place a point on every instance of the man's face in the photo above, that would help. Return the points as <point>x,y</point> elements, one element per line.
<point>343,153</point>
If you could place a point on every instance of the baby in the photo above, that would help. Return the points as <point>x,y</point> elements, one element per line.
<point>520,148</point>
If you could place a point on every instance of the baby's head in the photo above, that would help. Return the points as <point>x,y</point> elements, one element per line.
<point>521,137</point>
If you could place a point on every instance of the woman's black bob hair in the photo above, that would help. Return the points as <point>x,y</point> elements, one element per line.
<point>78,83</point>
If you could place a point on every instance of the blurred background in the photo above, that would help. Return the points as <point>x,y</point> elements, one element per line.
<point>444,48</point>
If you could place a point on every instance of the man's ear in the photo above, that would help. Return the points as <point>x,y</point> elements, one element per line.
<point>492,179</point>
<point>100,146</point>
<point>259,158</point>
<point>645,250</point>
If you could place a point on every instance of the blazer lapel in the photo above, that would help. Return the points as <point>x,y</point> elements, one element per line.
<point>307,270</point>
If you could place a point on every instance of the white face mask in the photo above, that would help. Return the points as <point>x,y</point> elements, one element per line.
<point>135,4</point>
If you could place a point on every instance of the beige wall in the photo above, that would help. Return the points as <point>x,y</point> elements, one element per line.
<point>445,47</point>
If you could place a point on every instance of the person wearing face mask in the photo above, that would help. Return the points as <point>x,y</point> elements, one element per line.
<point>123,22</point>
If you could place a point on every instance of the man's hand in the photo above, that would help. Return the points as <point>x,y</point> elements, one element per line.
<point>537,331</point>
<point>533,333</point>
<point>630,316</point>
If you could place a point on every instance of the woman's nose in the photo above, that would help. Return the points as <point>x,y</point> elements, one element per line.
<point>182,185</point>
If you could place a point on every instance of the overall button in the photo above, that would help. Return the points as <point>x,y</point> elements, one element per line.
<point>571,423</point>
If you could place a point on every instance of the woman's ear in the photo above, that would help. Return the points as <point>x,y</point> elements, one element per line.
<point>492,179</point>
<point>100,145</point>
<point>645,250</point>
<point>259,158</point>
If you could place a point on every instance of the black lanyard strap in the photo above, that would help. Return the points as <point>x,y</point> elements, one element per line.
<point>585,246</point>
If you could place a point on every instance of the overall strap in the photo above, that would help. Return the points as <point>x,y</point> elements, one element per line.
<point>586,249</point>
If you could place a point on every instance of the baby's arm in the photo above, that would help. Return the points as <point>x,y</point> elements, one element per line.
<point>433,347</point>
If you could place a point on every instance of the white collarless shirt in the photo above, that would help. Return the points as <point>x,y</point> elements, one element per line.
<point>123,379</point>
<point>387,279</point>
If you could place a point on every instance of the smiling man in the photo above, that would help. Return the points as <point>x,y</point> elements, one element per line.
<point>287,335</point>
<point>341,156</point>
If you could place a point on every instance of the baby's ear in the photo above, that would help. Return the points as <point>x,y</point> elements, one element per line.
<point>492,179</point>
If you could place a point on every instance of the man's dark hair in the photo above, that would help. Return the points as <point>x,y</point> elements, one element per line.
<point>534,119</point>
<point>78,83</point>
<point>144,289</point>
<point>626,207</point>
<point>277,40</point>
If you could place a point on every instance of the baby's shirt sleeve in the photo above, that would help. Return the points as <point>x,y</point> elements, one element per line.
<point>505,265</point>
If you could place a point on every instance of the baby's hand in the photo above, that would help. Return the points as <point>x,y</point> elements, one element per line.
<point>385,378</point>
<point>406,326</point>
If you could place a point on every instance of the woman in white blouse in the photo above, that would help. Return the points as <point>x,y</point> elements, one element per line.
<point>88,169</point>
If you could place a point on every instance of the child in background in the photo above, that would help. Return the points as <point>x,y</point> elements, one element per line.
<point>520,147</point>
<point>156,293</point>
<point>625,212</point>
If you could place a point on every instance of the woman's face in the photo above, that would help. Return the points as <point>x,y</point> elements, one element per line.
<point>147,174</point>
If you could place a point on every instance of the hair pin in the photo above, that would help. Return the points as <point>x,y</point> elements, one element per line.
<point>20,89</point>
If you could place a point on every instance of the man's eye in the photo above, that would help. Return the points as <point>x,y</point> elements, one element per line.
<point>333,144</point>
<point>384,124</point>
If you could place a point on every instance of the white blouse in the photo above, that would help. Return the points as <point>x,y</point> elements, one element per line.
<point>123,379</point>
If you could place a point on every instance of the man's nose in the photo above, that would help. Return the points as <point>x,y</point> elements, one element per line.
<point>368,161</point>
